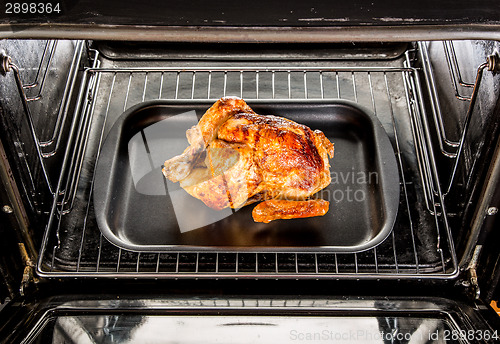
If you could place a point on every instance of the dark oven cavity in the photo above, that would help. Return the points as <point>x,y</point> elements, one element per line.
<point>429,97</point>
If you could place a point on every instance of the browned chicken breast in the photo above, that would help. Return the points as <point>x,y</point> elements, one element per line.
<point>237,157</point>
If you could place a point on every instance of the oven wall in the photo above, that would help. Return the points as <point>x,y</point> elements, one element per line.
<point>454,88</point>
<point>44,66</point>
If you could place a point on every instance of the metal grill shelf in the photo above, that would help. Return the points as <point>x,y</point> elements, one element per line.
<point>46,133</point>
<point>420,245</point>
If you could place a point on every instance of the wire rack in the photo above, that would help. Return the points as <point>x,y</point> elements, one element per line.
<point>420,245</point>
<point>33,94</point>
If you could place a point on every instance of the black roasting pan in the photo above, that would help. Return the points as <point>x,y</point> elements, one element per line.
<point>138,209</point>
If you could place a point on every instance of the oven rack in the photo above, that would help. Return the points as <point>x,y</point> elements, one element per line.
<point>32,94</point>
<point>420,246</point>
<point>452,149</point>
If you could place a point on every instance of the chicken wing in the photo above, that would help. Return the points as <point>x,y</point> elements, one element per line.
<point>282,209</point>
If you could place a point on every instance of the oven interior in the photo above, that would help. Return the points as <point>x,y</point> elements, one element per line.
<point>437,101</point>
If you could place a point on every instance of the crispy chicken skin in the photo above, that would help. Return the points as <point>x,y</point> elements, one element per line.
<point>237,157</point>
<point>201,135</point>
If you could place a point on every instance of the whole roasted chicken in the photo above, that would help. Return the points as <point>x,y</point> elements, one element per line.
<point>237,157</point>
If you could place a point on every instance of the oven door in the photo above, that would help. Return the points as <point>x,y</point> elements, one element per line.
<point>208,319</point>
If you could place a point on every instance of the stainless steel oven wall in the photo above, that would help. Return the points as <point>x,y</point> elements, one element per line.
<point>37,88</point>
<point>454,66</point>
<point>37,83</point>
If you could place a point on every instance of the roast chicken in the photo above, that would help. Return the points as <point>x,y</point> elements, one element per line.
<point>236,157</point>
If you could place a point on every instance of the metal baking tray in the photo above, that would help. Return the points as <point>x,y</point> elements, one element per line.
<point>139,210</point>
